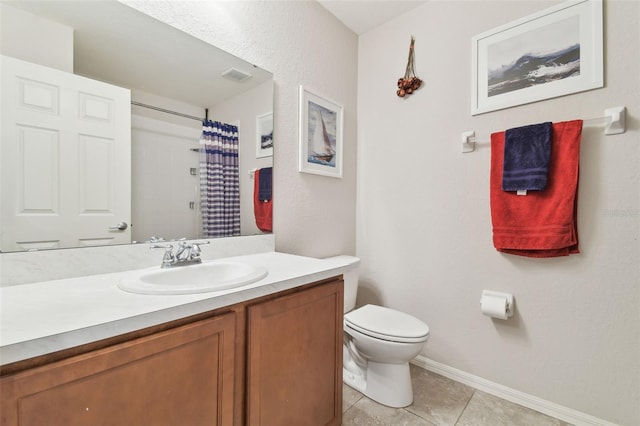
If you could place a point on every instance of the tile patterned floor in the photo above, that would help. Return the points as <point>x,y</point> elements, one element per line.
<point>439,401</point>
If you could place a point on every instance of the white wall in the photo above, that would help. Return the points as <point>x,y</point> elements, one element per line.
<point>301,43</point>
<point>161,163</point>
<point>51,45</point>
<point>424,227</point>
<point>161,160</point>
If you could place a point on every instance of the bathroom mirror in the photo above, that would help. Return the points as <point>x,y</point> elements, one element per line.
<point>167,72</point>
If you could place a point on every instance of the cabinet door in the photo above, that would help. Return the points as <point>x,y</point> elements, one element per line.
<point>294,374</point>
<point>183,376</point>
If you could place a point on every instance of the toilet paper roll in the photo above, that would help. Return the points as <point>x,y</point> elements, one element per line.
<point>494,306</point>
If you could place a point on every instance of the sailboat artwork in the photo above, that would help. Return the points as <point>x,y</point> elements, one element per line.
<point>322,136</point>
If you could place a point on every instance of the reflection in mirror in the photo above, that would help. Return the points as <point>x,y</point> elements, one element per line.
<point>102,110</point>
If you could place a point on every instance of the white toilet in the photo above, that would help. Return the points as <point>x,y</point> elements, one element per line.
<point>378,345</point>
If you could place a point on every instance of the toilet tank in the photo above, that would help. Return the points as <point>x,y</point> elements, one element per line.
<point>350,288</point>
<point>350,279</point>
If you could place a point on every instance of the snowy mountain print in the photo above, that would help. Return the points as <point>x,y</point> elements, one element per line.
<point>534,69</point>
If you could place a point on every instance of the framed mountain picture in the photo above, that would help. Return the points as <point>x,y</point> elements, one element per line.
<point>264,135</point>
<point>555,52</point>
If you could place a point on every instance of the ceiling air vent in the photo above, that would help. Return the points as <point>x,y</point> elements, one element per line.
<point>235,74</point>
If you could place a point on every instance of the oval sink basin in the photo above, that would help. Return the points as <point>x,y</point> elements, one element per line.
<point>202,278</point>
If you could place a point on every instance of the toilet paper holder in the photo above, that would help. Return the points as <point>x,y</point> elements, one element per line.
<point>496,295</point>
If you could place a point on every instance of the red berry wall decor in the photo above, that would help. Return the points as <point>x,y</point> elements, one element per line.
<point>409,83</point>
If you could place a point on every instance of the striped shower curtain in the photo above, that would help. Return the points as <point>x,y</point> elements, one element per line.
<point>219,180</point>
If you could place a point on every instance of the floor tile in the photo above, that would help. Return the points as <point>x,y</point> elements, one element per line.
<point>349,397</point>
<point>366,412</point>
<point>436,398</point>
<point>488,410</point>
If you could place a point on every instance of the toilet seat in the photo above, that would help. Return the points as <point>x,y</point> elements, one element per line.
<point>387,324</point>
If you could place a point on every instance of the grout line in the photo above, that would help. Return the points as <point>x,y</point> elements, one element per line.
<point>355,402</point>
<point>344,413</point>
<point>465,407</point>
<point>418,416</point>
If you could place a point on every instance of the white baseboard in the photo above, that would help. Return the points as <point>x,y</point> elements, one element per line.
<point>538,404</point>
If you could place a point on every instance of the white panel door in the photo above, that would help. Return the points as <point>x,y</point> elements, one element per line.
<point>65,155</point>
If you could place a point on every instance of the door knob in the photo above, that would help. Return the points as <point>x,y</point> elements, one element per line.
<point>119,227</point>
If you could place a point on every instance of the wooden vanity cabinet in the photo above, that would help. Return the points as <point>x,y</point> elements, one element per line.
<point>182,376</point>
<point>272,361</point>
<point>294,358</point>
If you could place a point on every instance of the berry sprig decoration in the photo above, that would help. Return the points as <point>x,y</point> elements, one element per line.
<point>409,83</point>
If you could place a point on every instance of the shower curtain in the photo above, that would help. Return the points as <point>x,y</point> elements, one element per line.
<point>219,180</point>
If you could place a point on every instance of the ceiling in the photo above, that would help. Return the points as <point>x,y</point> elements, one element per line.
<point>363,15</point>
<point>117,44</point>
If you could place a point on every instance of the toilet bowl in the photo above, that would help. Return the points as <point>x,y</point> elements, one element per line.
<point>379,342</point>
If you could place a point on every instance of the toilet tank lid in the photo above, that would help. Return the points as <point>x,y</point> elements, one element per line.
<point>387,322</point>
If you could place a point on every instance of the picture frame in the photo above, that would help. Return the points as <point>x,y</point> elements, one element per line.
<point>552,53</point>
<point>320,135</point>
<point>264,135</point>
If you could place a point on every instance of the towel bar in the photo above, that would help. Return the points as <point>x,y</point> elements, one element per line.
<point>614,124</point>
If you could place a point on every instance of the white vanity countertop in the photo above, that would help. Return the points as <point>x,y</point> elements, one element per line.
<point>40,318</point>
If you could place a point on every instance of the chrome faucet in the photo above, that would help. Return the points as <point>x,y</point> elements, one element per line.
<point>186,254</point>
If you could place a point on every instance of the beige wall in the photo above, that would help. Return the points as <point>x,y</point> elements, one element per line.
<point>424,228</point>
<point>301,44</point>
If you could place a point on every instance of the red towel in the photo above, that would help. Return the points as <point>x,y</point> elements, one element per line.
<point>262,210</point>
<point>541,223</point>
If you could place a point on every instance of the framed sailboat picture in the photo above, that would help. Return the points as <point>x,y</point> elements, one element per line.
<point>320,135</point>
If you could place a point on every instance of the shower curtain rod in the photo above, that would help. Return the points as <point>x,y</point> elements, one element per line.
<point>168,111</point>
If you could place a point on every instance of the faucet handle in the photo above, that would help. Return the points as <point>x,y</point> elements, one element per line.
<point>195,248</point>
<point>166,246</point>
<point>168,257</point>
<point>201,243</point>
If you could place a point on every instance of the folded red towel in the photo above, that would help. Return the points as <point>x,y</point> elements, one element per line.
<point>540,223</point>
<point>262,210</point>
